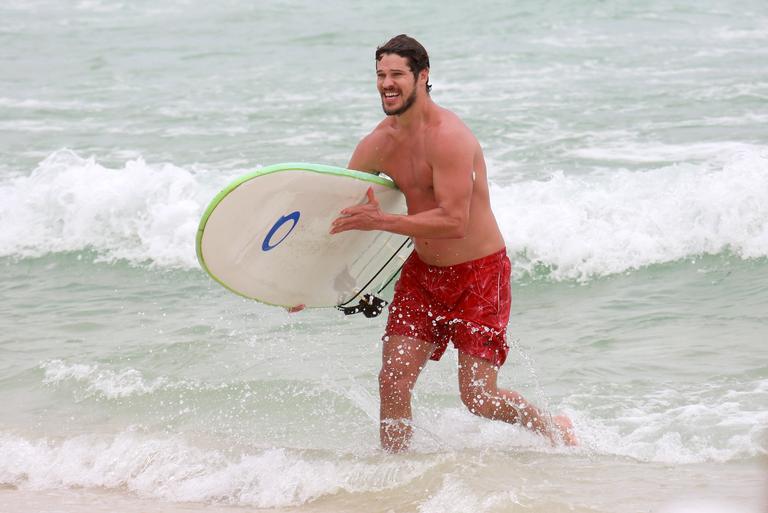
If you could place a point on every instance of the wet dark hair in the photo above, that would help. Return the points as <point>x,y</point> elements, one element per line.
<point>409,49</point>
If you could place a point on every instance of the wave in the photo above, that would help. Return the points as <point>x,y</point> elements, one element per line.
<point>661,425</point>
<point>170,468</point>
<point>102,382</point>
<point>578,227</point>
<point>141,213</point>
<point>566,226</point>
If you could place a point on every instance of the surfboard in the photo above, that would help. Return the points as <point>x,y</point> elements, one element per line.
<point>266,237</point>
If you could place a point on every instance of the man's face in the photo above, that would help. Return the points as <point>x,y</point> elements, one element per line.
<point>396,83</point>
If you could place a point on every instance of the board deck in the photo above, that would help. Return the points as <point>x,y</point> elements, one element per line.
<point>265,236</point>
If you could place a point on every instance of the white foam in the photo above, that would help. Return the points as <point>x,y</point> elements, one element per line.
<point>611,222</point>
<point>699,505</point>
<point>91,379</point>
<point>575,226</point>
<point>140,213</point>
<point>172,469</point>
<point>632,152</point>
<point>107,383</point>
<point>455,429</point>
<point>734,34</point>
<point>36,104</point>
<point>455,496</point>
<point>693,425</point>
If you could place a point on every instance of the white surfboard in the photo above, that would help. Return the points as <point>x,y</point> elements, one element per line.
<point>266,236</point>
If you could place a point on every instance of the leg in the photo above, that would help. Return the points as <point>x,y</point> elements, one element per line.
<point>481,395</point>
<point>402,361</point>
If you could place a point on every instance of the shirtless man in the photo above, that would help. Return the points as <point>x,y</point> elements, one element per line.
<point>455,286</point>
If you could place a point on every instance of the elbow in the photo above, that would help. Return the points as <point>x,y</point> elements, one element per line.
<point>452,223</point>
<point>459,233</point>
<point>458,228</point>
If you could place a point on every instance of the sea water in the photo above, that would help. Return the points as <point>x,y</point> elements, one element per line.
<point>628,158</point>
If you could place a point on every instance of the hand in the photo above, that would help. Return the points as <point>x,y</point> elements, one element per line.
<point>294,309</point>
<point>360,217</point>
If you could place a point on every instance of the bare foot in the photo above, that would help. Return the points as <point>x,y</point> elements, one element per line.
<point>565,428</point>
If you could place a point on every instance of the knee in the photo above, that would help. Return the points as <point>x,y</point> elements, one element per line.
<point>489,402</point>
<point>477,400</point>
<point>394,383</point>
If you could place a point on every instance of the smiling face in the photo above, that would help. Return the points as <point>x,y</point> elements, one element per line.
<point>397,85</point>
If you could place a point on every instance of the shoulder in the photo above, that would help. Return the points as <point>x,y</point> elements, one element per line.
<point>369,151</point>
<point>378,135</point>
<point>449,137</point>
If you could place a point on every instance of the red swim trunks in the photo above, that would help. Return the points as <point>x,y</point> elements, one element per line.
<point>467,304</point>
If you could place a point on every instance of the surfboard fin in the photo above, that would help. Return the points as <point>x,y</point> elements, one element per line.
<point>369,305</point>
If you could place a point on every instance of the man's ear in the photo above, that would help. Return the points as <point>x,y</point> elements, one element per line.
<point>424,76</point>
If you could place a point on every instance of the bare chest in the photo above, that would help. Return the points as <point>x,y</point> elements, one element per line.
<point>407,164</point>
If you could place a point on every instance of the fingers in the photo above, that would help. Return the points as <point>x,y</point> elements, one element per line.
<point>358,217</point>
<point>349,220</point>
<point>352,222</point>
<point>337,225</point>
<point>372,202</point>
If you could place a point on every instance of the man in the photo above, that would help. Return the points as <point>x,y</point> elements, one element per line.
<point>455,286</point>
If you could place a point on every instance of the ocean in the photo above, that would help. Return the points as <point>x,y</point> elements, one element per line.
<point>627,147</point>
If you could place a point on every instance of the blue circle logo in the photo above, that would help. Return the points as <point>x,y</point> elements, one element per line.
<point>293,217</point>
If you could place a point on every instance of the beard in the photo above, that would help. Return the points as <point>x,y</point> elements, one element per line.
<point>407,105</point>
